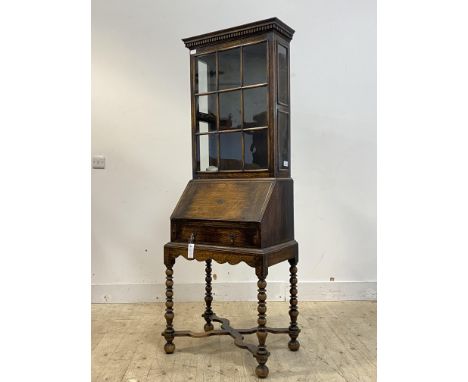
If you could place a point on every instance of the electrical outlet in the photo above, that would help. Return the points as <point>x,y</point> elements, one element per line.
<point>99,161</point>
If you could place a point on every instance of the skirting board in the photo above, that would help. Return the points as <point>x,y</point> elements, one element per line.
<point>235,291</point>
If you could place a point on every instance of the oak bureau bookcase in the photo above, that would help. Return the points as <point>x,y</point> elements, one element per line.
<point>239,204</point>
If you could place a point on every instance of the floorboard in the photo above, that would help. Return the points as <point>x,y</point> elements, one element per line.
<point>338,343</point>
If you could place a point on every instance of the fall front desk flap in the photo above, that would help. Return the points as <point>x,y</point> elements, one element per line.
<point>253,213</point>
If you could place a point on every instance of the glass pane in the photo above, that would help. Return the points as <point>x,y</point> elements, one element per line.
<point>256,149</point>
<point>207,152</point>
<point>206,113</point>
<point>283,140</point>
<point>229,68</point>
<point>283,77</point>
<point>205,74</point>
<point>230,151</point>
<point>255,67</point>
<point>229,110</point>
<point>255,107</point>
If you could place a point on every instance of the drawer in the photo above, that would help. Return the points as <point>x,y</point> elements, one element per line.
<point>217,233</point>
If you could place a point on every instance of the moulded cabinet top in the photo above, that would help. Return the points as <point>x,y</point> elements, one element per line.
<point>226,200</point>
<point>241,31</point>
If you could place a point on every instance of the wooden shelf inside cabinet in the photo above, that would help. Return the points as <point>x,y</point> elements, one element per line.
<point>239,205</point>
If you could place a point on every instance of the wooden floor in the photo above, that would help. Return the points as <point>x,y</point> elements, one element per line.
<point>338,343</point>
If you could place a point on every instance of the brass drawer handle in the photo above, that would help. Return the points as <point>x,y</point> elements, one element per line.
<point>232,237</point>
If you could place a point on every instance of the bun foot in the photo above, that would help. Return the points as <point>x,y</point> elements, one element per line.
<point>261,371</point>
<point>208,327</point>
<point>169,348</point>
<point>293,345</point>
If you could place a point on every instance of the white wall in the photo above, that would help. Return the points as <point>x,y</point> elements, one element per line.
<point>141,123</point>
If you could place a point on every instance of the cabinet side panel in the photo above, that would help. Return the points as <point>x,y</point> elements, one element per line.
<point>277,225</point>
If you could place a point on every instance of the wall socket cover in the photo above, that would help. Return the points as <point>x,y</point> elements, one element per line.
<point>99,161</point>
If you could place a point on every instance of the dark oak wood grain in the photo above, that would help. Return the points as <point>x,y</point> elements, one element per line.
<point>223,199</point>
<point>272,31</point>
<point>241,31</point>
<point>208,298</point>
<point>255,213</point>
<point>293,311</point>
<point>238,208</point>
